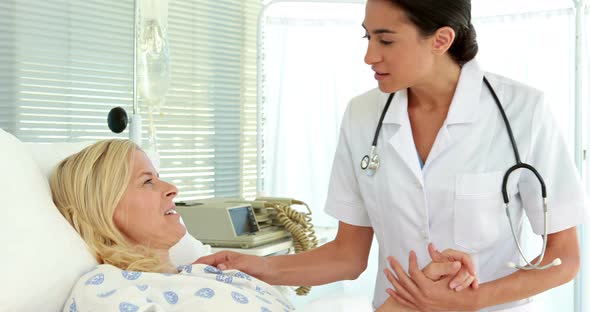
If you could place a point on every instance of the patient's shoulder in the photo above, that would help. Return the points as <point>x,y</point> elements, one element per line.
<point>102,268</point>
<point>97,275</point>
<point>109,274</point>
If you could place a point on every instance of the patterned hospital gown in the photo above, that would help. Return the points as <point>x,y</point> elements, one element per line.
<point>197,287</point>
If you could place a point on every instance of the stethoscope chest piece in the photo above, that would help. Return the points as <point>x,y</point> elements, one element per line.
<point>370,163</point>
<point>365,162</point>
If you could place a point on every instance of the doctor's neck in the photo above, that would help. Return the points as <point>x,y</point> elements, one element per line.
<point>436,90</point>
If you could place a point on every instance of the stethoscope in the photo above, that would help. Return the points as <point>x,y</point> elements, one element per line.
<point>370,163</point>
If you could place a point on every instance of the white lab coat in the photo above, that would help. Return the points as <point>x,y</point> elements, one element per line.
<point>455,201</point>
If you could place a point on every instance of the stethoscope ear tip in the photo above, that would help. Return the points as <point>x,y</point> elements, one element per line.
<point>511,265</point>
<point>556,262</point>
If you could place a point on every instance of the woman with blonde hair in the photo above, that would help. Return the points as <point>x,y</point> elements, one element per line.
<point>113,197</point>
<point>87,188</point>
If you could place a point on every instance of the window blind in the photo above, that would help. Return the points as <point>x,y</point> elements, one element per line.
<point>207,135</point>
<point>65,64</point>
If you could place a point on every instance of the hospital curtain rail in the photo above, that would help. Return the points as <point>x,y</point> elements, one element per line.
<point>65,64</point>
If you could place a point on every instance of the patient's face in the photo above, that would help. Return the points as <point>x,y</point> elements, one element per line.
<point>144,213</point>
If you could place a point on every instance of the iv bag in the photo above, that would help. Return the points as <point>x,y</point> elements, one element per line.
<point>153,54</point>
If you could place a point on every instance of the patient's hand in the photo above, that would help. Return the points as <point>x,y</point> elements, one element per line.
<point>229,260</point>
<point>451,263</point>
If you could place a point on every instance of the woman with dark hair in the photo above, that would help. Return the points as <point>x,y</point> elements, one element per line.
<point>421,159</point>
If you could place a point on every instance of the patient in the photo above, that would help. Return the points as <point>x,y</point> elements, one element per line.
<point>113,197</point>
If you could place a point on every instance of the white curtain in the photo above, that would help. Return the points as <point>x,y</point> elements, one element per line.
<point>314,64</point>
<point>537,49</point>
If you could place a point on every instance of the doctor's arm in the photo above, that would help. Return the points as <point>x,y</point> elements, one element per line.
<point>343,258</point>
<point>427,295</point>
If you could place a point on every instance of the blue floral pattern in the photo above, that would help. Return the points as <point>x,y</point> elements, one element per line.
<point>224,278</point>
<point>212,270</point>
<point>260,290</point>
<point>73,307</point>
<point>111,289</point>
<point>239,298</point>
<point>127,307</point>
<point>107,294</point>
<point>205,293</point>
<point>243,275</point>
<point>130,275</point>
<point>171,297</point>
<point>185,268</point>
<point>142,287</point>
<point>95,280</point>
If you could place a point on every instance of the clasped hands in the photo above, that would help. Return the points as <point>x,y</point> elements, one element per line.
<point>448,283</point>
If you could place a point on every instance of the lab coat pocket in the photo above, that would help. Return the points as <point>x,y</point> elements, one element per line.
<point>478,210</point>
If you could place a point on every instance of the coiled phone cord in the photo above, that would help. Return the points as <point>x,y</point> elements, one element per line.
<point>301,229</point>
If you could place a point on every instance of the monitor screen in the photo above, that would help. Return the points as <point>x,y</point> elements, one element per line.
<point>240,217</point>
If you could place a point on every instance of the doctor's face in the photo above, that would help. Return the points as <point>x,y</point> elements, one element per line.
<point>145,214</point>
<point>397,53</point>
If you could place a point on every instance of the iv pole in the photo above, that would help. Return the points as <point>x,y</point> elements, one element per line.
<point>135,130</point>
<point>117,118</point>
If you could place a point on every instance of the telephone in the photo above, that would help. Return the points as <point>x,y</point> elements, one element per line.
<point>234,222</point>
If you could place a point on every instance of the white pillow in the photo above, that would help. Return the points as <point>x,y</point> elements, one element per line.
<point>47,156</point>
<point>42,255</point>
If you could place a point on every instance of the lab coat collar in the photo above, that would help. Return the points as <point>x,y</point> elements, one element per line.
<point>463,109</point>
<point>398,110</point>
<point>464,106</point>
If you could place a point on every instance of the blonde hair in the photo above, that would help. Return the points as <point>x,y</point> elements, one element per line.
<point>86,188</point>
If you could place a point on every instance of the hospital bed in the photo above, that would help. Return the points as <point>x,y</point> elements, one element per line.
<point>42,256</point>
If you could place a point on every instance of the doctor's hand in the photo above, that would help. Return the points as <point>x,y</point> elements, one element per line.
<point>451,263</point>
<point>417,291</point>
<point>229,260</point>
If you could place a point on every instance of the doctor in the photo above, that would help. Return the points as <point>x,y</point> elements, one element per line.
<point>443,148</point>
